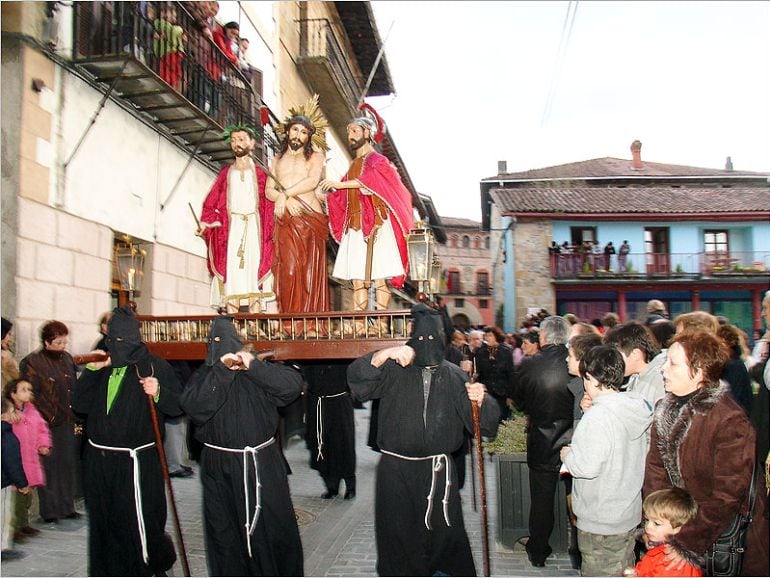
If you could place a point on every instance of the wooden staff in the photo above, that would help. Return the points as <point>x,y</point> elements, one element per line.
<point>93,357</point>
<point>166,477</point>
<point>482,482</point>
<point>466,357</point>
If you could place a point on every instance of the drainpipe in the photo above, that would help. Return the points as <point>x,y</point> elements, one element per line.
<point>509,272</point>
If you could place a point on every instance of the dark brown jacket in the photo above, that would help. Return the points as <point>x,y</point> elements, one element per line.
<point>707,448</point>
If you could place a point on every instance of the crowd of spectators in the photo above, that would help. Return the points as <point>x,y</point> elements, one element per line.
<point>690,383</point>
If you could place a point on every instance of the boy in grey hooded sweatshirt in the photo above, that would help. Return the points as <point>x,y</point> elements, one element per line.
<point>606,460</point>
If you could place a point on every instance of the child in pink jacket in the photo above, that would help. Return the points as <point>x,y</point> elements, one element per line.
<point>35,441</point>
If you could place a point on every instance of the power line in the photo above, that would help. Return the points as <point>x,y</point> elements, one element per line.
<point>566,34</point>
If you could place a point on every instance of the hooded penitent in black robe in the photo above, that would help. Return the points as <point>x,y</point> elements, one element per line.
<point>424,411</point>
<point>114,534</point>
<point>237,409</point>
<point>329,398</point>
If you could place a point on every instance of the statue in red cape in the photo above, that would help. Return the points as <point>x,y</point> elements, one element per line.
<point>237,225</point>
<point>370,215</point>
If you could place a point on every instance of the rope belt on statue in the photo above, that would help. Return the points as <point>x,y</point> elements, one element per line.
<point>137,489</point>
<point>319,425</point>
<point>251,521</point>
<point>242,246</point>
<point>437,462</point>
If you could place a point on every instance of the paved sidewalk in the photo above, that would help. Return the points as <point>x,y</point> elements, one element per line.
<point>337,535</point>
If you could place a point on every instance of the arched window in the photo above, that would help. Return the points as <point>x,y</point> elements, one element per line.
<point>453,241</point>
<point>486,242</point>
<point>476,243</point>
<point>466,241</point>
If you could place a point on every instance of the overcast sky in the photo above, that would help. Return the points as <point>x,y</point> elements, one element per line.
<point>691,80</point>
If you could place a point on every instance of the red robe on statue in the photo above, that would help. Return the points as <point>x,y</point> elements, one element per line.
<point>215,209</point>
<point>380,178</point>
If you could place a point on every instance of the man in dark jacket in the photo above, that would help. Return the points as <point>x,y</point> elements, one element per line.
<point>541,392</point>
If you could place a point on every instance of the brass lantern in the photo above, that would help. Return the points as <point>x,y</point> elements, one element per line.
<point>130,261</point>
<point>420,247</point>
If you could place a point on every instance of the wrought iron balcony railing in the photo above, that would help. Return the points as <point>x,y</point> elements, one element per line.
<point>163,39</point>
<point>318,40</point>
<point>657,265</point>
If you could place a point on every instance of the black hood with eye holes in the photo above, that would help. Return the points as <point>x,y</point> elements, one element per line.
<point>223,338</point>
<point>124,340</point>
<point>429,338</point>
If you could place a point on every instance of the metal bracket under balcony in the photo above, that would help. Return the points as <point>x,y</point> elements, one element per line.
<point>152,96</point>
<point>153,56</point>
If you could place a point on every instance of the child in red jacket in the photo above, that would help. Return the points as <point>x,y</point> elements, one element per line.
<point>35,441</point>
<point>665,512</point>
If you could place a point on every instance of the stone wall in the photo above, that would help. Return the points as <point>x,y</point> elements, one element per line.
<point>533,274</point>
<point>179,283</point>
<point>64,272</point>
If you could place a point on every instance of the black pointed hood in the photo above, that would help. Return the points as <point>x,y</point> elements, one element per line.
<point>429,339</point>
<point>124,340</point>
<point>223,338</point>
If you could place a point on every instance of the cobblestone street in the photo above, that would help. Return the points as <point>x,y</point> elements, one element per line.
<point>337,535</point>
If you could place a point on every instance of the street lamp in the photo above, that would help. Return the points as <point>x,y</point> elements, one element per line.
<point>130,261</point>
<point>420,247</point>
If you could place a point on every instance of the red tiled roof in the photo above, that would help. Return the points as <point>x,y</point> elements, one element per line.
<point>449,222</point>
<point>613,167</point>
<point>633,200</point>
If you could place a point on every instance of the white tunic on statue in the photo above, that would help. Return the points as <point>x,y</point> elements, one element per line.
<point>242,280</point>
<point>351,255</point>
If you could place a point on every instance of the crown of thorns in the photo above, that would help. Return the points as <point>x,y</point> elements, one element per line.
<point>310,116</point>
<point>240,127</point>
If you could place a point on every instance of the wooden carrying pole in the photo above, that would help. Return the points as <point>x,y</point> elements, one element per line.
<point>167,478</point>
<point>482,485</point>
<point>482,481</point>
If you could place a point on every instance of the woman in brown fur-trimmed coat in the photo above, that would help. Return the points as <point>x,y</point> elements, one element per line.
<point>703,442</point>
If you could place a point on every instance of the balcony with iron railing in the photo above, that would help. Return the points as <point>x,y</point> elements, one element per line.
<point>154,56</point>
<point>649,266</point>
<point>327,66</point>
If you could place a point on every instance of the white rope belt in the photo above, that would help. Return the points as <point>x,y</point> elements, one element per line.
<point>251,520</point>
<point>137,489</point>
<point>319,424</point>
<point>436,464</point>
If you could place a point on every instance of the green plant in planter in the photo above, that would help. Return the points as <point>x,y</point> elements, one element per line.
<point>630,267</point>
<point>586,267</point>
<point>678,268</point>
<point>511,437</point>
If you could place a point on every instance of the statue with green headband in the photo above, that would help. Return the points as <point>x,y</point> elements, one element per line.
<point>237,224</point>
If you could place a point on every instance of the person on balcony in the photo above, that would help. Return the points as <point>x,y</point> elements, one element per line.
<point>224,38</point>
<point>370,211</point>
<point>168,46</point>
<point>237,225</point>
<point>609,251</point>
<point>301,226</point>
<point>625,249</point>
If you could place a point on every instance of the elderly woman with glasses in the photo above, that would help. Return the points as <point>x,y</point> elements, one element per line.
<point>52,372</point>
<point>702,441</point>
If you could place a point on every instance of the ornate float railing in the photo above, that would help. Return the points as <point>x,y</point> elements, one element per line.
<point>332,335</point>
